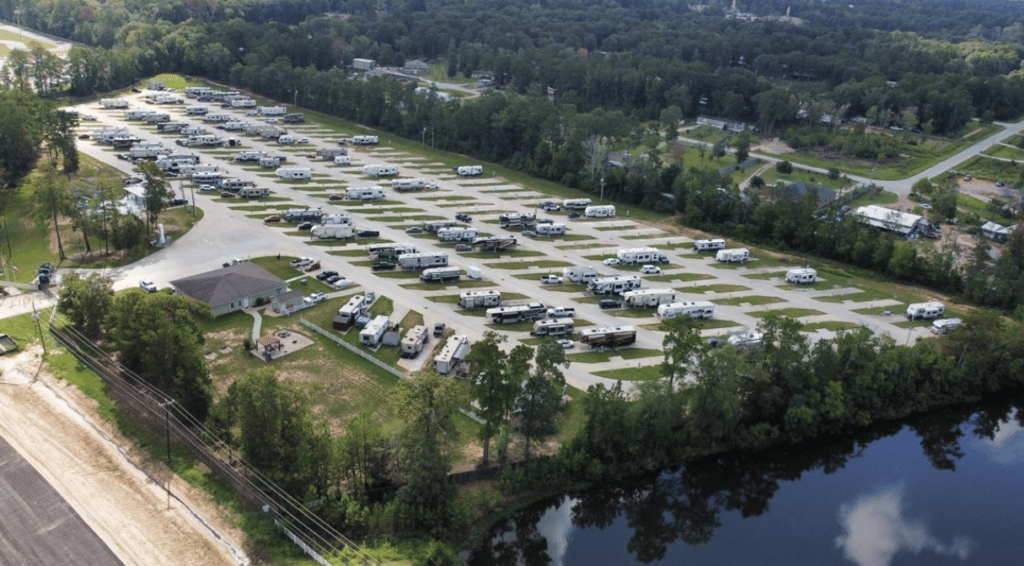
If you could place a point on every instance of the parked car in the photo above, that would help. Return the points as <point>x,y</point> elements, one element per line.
<point>272,218</point>
<point>323,275</point>
<point>368,233</point>
<point>650,270</point>
<point>147,286</point>
<point>315,298</point>
<point>551,279</point>
<point>463,248</point>
<point>612,261</point>
<point>414,230</point>
<point>439,329</point>
<point>382,265</point>
<point>305,226</point>
<point>566,343</point>
<point>463,217</point>
<point>300,261</point>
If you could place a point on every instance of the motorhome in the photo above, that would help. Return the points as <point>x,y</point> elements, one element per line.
<point>380,170</point>
<point>423,260</point>
<point>440,274</point>
<point>457,234</point>
<point>599,211</point>
<point>614,284</point>
<point>479,299</point>
<point>927,310</point>
<point>294,173</point>
<point>470,170</point>
<point>364,140</point>
<point>553,327</point>
<point>580,274</point>
<point>733,255</point>
<point>552,229</point>
<point>373,332</point>
<point>414,340</point>
<point>798,275</point>
<point>452,354</point>
<point>633,256</point>
<point>364,193</point>
<point>945,325</point>
<point>331,231</point>
<point>576,203</point>
<point>517,313</point>
<point>708,245</point>
<point>607,336</point>
<point>693,309</point>
<point>647,298</point>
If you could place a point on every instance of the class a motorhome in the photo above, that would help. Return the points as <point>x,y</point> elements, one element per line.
<point>693,309</point>
<point>709,245</point>
<point>800,275</point>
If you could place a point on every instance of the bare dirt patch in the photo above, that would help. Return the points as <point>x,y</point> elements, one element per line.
<point>100,474</point>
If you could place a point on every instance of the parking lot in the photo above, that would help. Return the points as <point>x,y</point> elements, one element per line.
<point>234,228</point>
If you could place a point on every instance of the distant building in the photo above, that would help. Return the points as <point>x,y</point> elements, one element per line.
<point>231,288</point>
<point>416,67</point>
<point>364,64</point>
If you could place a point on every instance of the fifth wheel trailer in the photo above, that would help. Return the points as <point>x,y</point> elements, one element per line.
<point>608,336</point>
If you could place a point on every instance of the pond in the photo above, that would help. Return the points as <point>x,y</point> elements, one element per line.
<point>941,489</point>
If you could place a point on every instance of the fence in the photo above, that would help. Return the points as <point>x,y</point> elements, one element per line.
<point>366,356</point>
<point>159,415</point>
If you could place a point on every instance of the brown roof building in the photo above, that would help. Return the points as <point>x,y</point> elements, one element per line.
<point>231,288</point>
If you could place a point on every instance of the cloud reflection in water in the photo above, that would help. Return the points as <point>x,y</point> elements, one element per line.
<point>875,531</point>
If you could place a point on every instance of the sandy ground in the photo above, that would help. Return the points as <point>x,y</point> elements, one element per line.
<point>57,429</point>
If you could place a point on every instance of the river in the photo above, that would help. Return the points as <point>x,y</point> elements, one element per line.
<point>944,489</point>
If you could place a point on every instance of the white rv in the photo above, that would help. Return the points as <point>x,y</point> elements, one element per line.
<point>479,299</point>
<point>423,260</point>
<point>414,340</point>
<point>576,203</point>
<point>632,256</point>
<point>599,211</point>
<point>614,285</point>
<point>647,298</point>
<point>294,173</point>
<point>733,255</point>
<point>553,327</point>
<point>373,332</point>
<point>693,309</point>
<point>552,229</point>
<point>364,193</point>
<point>925,310</point>
<point>798,275</point>
<point>440,274</point>
<point>580,274</point>
<point>380,170</point>
<point>709,245</point>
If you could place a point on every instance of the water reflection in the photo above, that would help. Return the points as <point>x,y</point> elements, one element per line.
<point>876,530</point>
<point>688,505</point>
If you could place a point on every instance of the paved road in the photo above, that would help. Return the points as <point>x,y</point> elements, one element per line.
<point>37,526</point>
<point>227,233</point>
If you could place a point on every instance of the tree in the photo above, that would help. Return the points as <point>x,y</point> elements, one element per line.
<point>423,411</point>
<point>495,385</point>
<point>52,195</point>
<point>157,191</point>
<point>86,301</point>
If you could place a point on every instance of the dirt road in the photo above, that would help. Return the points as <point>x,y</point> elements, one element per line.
<point>57,429</point>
